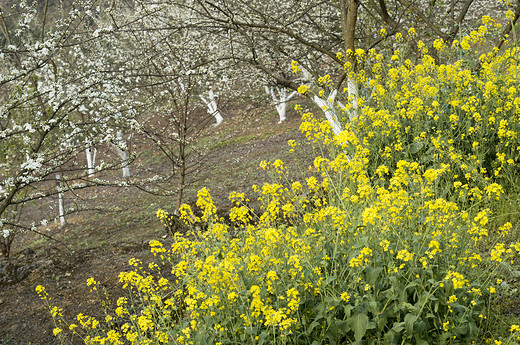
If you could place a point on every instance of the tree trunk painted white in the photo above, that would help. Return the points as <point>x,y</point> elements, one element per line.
<point>61,208</point>
<point>123,153</point>
<point>91,161</point>
<point>327,105</point>
<point>353,91</point>
<point>211,103</point>
<point>280,100</point>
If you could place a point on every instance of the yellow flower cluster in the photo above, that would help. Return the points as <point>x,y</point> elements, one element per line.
<point>393,238</point>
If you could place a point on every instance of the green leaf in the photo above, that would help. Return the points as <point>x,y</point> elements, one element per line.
<point>312,326</point>
<point>415,147</point>
<point>473,328</point>
<point>390,293</point>
<point>410,285</point>
<point>392,337</point>
<point>430,316</point>
<point>359,324</point>
<point>343,326</point>
<point>409,321</point>
<point>421,342</point>
<point>331,336</point>
<point>251,330</point>
<point>372,274</point>
<point>321,311</point>
<point>261,338</point>
<point>329,280</point>
<point>382,322</point>
<point>332,301</point>
<point>347,310</point>
<point>204,338</point>
<point>398,327</point>
<point>373,307</point>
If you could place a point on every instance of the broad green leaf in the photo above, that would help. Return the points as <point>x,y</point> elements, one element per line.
<point>331,301</point>
<point>261,338</point>
<point>347,310</point>
<point>390,293</point>
<point>372,274</point>
<point>421,342</point>
<point>312,326</point>
<point>251,330</point>
<point>343,326</point>
<point>415,147</point>
<point>359,324</point>
<point>392,337</point>
<point>409,321</point>
<point>398,327</point>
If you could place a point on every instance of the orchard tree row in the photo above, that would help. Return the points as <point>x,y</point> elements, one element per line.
<point>81,75</point>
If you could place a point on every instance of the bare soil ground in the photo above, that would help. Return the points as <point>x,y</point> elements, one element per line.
<point>100,243</point>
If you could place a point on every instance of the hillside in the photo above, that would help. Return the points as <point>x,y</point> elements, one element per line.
<point>101,243</point>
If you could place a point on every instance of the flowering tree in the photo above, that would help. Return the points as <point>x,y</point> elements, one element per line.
<point>68,83</point>
<point>176,63</point>
<point>56,96</point>
<point>268,35</point>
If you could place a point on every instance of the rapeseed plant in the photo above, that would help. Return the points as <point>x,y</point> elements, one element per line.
<point>393,240</point>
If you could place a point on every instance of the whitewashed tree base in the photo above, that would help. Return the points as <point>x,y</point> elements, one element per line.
<point>280,99</point>
<point>211,103</point>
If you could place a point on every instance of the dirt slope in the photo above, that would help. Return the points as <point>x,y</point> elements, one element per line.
<point>101,243</point>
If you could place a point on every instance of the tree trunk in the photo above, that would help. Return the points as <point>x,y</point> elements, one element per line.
<point>280,100</point>
<point>211,103</point>
<point>353,91</point>
<point>61,208</point>
<point>91,161</point>
<point>349,13</point>
<point>183,129</point>
<point>330,112</point>
<point>180,186</point>
<point>123,154</point>
<point>181,167</point>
